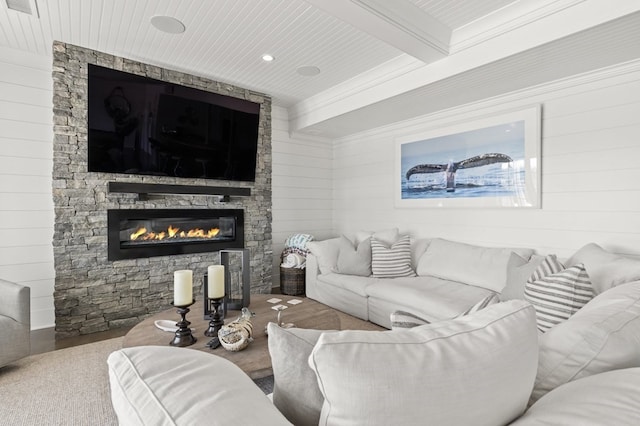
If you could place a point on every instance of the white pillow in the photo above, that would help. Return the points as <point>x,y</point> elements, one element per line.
<point>606,269</point>
<point>391,261</point>
<point>354,260</point>
<point>327,253</point>
<point>609,398</point>
<point>484,267</point>
<point>603,335</point>
<point>478,369</point>
<point>387,236</point>
<point>518,272</point>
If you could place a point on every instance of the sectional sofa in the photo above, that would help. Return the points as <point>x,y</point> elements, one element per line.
<point>493,366</point>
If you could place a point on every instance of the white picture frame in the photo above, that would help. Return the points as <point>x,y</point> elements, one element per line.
<point>492,162</point>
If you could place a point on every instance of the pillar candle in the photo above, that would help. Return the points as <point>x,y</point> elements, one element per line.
<point>215,286</point>
<point>182,287</point>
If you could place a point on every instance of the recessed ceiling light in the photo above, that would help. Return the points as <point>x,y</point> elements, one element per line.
<point>308,71</point>
<point>167,24</point>
<point>267,57</point>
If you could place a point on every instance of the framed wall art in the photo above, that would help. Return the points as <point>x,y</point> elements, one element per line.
<point>488,162</point>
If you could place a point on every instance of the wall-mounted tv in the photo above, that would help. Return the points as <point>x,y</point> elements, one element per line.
<point>139,125</point>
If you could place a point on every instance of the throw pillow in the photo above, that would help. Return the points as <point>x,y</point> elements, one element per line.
<point>518,271</point>
<point>604,335</point>
<point>393,261</point>
<point>326,252</point>
<point>606,269</point>
<point>401,320</point>
<point>295,389</point>
<point>387,236</point>
<point>489,300</point>
<point>475,370</point>
<point>354,260</point>
<point>610,398</point>
<point>557,293</point>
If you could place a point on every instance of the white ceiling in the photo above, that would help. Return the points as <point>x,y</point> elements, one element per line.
<point>380,60</point>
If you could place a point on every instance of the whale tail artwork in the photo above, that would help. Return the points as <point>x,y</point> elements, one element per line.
<point>452,167</point>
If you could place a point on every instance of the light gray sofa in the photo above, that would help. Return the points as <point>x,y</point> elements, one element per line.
<point>450,278</point>
<point>491,367</point>
<point>15,322</point>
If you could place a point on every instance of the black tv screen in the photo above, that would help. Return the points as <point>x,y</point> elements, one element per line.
<point>139,125</point>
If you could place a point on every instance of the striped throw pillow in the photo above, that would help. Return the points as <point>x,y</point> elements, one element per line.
<point>489,300</point>
<point>401,320</point>
<point>557,295</point>
<point>391,262</point>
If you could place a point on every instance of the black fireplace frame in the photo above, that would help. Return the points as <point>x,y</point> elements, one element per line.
<point>115,252</point>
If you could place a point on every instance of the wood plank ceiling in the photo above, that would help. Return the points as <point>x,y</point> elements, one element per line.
<point>354,43</point>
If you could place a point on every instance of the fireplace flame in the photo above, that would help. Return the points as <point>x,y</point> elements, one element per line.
<point>172,232</point>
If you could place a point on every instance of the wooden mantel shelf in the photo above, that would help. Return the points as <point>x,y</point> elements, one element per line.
<point>159,188</point>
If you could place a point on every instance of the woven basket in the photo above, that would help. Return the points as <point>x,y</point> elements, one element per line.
<point>292,281</point>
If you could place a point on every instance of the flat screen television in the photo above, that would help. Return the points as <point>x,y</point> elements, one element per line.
<point>140,125</point>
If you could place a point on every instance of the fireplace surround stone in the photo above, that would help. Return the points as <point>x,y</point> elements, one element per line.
<point>92,293</point>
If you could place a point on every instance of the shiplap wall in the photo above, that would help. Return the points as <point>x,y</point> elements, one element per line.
<point>301,185</point>
<point>590,172</point>
<point>26,203</point>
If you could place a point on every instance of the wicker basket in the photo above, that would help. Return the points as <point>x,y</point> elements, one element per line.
<point>292,281</point>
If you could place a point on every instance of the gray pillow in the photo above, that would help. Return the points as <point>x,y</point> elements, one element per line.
<point>295,390</point>
<point>518,272</point>
<point>354,260</point>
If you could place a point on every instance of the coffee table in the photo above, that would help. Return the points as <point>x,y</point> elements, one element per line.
<point>255,359</point>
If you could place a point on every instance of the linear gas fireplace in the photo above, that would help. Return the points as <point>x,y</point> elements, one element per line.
<point>135,233</point>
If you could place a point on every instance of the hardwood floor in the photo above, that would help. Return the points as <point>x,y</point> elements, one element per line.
<point>44,340</point>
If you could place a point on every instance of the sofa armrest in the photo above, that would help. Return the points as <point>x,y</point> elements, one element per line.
<point>312,271</point>
<point>16,302</point>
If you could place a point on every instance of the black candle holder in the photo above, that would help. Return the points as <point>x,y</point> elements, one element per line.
<point>183,336</point>
<point>217,319</point>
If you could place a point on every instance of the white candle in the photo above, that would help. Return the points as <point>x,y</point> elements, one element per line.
<point>215,286</point>
<point>182,287</point>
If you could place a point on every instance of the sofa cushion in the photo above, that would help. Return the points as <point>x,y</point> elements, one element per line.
<point>295,391</point>
<point>606,269</point>
<point>610,398</point>
<point>354,260</point>
<point>391,261</point>
<point>518,272</point>
<point>557,293</point>
<point>603,335</point>
<point>480,266</point>
<point>164,385</point>
<point>431,298</point>
<point>353,283</point>
<point>483,363</point>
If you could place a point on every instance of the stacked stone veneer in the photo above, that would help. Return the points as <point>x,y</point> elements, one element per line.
<point>91,293</point>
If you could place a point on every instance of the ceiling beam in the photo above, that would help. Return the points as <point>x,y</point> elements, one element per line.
<point>398,23</point>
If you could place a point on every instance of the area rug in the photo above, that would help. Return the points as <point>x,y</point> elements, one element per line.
<point>64,387</point>
<point>67,387</point>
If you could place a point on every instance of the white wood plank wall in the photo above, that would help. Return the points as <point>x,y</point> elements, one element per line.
<point>302,186</point>
<point>590,172</point>
<point>26,205</point>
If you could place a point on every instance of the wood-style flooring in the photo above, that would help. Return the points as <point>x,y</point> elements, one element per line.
<point>44,340</point>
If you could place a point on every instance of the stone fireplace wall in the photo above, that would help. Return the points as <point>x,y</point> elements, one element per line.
<point>91,293</point>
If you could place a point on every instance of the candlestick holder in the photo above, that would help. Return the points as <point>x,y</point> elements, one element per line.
<point>217,319</point>
<point>183,336</point>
